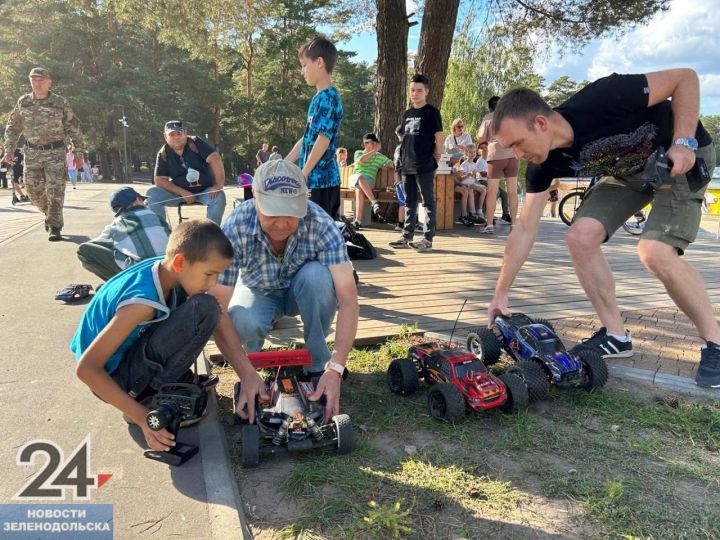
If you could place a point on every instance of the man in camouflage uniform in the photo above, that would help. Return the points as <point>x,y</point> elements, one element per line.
<point>48,124</point>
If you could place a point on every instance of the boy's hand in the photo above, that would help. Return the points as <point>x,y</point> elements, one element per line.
<point>251,386</point>
<point>161,441</point>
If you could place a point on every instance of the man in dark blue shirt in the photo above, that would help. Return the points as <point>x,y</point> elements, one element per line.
<point>187,170</point>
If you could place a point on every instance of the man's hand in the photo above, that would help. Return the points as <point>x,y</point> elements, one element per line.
<point>329,384</point>
<point>161,441</point>
<point>498,306</point>
<point>682,157</point>
<point>189,197</point>
<point>214,191</point>
<point>251,386</point>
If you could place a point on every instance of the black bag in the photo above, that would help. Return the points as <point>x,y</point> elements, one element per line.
<point>358,247</point>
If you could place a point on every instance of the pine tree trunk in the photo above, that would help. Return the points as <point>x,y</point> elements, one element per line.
<point>436,37</point>
<point>390,81</point>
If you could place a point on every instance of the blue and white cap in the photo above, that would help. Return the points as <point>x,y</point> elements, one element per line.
<point>280,189</point>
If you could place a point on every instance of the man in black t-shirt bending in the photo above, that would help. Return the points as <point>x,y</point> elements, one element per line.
<point>187,170</point>
<point>419,151</point>
<point>610,128</point>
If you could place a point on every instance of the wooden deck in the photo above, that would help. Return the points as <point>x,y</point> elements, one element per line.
<point>428,289</point>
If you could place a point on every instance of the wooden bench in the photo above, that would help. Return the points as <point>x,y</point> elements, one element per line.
<point>384,191</point>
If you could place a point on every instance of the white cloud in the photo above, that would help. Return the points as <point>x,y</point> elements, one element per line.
<point>687,35</point>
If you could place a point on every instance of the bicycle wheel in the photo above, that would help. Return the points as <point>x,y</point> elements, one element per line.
<point>569,205</point>
<point>636,224</point>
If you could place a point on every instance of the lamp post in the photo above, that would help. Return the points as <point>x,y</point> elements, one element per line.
<point>126,170</point>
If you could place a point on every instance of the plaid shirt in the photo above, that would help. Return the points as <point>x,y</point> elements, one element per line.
<point>135,235</point>
<point>317,239</point>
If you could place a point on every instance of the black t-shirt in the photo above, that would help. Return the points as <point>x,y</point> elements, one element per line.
<point>614,132</point>
<point>418,145</point>
<point>169,163</point>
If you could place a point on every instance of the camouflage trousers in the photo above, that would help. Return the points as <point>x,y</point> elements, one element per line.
<point>45,178</point>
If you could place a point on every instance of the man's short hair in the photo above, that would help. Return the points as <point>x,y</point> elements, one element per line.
<point>199,240</point>
<point>492,102</point>
<point>320,47</point>
<point>420,78</point>
<point>520,104</point>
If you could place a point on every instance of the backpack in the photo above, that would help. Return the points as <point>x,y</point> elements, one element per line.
<point>358,247</point>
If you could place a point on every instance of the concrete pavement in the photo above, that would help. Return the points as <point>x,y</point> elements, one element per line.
<point>43,399</point>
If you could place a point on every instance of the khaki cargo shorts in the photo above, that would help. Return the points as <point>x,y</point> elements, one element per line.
<point>675,215</point>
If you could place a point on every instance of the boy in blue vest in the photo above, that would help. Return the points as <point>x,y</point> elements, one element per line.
<point>149,323</point>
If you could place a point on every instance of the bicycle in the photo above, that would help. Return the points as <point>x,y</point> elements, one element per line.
<point>570,203</point>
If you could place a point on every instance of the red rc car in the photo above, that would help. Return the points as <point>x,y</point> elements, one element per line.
<point>458,381</point>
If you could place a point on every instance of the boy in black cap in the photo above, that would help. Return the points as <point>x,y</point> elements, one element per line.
<point>135,234</point>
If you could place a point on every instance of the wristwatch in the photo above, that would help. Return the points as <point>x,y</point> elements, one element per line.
<point>338,368</point>
<point>690,142</point>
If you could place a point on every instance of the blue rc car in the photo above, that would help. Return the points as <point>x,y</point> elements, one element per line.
<point>536,349</point>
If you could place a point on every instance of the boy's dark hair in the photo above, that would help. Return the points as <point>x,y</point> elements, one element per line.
<point>420,78</point>
<point>492,102</point>
<point>520,104</point>
<point>198,240</point>
<point>320,47</point>
<point>275,148</point>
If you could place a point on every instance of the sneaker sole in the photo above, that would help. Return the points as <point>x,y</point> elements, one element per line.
<point>706,384</point>
<point>621,354</point>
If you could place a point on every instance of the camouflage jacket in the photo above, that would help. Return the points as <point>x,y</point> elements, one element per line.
<point>43,121</point>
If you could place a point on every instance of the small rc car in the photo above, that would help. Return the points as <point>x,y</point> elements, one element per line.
<point>535,348</point>
<point>458,381</point>
<point>288,421</point>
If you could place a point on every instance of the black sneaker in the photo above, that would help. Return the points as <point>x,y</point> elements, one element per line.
<point>708,373</point>
<point>378,212</point>
<point>55,235</point>
<point>400,243</point>
<point>605,345</point>
<point>465,220</point>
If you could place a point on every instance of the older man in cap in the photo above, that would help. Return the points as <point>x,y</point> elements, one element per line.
<point>187,170</point>
<point>290,259</point>
<point>49,125</point>
<point>135,234</point>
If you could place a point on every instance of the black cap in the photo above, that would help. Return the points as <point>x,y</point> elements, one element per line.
<point>122,198</point>
<point>370,137</point>
<point>174,125</point>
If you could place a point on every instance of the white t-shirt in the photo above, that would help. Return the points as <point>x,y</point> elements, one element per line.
<point>451,141</point>
<point>470,168</point>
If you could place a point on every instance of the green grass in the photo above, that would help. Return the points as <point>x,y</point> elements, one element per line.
<point>628,466</point>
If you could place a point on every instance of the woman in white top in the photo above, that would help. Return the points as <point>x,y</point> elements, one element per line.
<point>501,162</point>
<point>458,138</point>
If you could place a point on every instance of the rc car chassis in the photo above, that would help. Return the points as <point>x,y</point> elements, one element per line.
<point>458,382</point>
<point>536,349</point>
<point>289,421</point>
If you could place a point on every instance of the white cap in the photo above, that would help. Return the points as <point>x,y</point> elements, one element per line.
<point>280,189</point>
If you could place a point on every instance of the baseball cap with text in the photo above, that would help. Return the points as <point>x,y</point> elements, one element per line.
<point>280,189</point>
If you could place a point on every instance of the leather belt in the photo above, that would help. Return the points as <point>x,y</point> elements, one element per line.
<point>49,146</point>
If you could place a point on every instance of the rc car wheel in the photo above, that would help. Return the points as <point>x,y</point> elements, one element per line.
<point>344,433</point>
<point>595,367</point>
<point>402,376</point>
<point>545,322</point>
<point>535,378</point>
<point>517,391</point>
<point>446,403</point>
<point>483,344</point>
<point>250,455</point>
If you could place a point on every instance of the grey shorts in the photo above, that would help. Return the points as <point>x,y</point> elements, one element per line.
<point>675,215</point>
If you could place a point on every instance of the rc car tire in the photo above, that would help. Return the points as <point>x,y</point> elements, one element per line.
<point>545,322</point>
<point>483,344</point>
<point>250,453</point>
<point>517,391</point>
<point>596,367</point>
<point>446,403</point>
<point>344,433</point>
<point>402,376</point>
<point>535,378</point>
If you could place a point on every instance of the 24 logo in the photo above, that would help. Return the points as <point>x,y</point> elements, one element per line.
<point>58,476</point>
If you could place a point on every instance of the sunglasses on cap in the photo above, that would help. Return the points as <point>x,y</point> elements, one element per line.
<point>174,126</point>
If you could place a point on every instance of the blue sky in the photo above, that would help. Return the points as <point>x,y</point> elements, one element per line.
<point>687,35</point>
